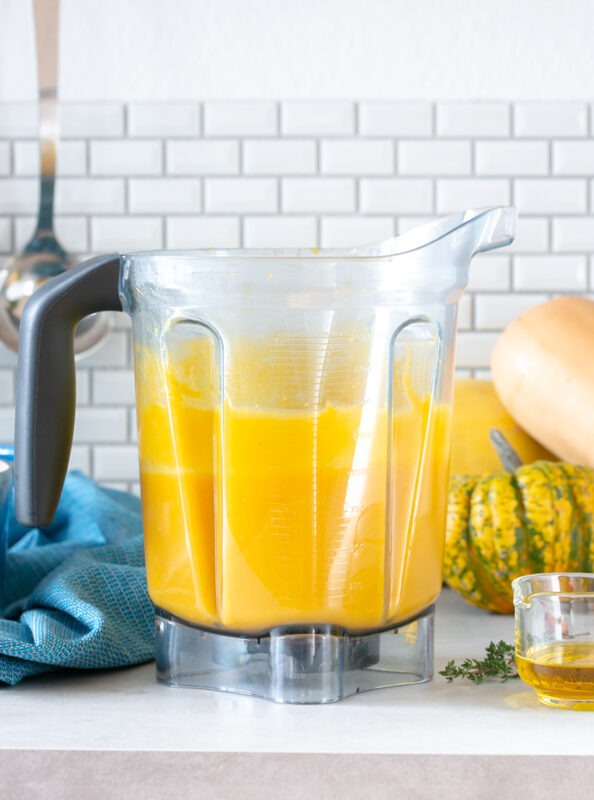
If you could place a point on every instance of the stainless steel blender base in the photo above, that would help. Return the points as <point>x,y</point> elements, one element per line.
<point>311,664</point>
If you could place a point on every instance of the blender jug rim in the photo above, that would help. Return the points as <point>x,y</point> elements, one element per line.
<point>524,578</point>
<point>411,241</point>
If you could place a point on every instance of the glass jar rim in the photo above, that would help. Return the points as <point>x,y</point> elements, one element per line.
<point>568,593</point>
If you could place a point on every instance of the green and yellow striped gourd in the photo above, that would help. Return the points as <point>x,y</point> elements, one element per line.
<point>536,518</point>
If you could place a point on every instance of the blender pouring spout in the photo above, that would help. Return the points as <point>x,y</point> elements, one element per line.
<point>464,235</point>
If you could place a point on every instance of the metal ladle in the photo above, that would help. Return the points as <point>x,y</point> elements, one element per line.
<point>43,256</point>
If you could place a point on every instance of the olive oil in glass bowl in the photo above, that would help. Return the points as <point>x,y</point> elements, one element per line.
<point>555,637</point>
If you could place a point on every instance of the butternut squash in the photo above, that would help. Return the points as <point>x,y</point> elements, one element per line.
<point>543,371</point>
<point>477,409</point>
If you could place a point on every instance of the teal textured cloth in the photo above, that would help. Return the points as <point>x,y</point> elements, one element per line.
<point>74,594</point>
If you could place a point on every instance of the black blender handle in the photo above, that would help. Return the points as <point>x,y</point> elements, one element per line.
<point>46,393</point>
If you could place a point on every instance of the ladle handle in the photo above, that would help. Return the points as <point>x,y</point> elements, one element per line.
<point>46,393</point>
<point>46,14</point>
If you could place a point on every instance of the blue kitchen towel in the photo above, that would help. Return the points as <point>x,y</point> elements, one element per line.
<point>74,594</point>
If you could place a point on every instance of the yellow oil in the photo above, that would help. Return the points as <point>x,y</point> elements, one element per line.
<point>562,673</point>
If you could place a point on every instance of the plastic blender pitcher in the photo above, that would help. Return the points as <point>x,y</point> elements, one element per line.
<point>293,434</point>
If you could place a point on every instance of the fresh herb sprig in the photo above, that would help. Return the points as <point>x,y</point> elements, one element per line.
<point>499,662</point>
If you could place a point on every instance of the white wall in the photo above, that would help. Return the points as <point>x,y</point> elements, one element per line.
<point>431,49</point>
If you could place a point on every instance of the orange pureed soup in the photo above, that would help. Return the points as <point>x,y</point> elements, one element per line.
<point>256,517</point>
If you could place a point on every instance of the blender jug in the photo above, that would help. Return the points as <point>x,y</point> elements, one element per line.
<point>293,435</point>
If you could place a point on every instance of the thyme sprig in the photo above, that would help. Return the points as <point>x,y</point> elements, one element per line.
<point>499,662</point>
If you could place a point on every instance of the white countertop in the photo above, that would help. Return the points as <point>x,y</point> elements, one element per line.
<point>126,711</point>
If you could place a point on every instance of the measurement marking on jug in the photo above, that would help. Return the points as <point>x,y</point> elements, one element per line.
<point>358,472</point>
<point>357,549</point>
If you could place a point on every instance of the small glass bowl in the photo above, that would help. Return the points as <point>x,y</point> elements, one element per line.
<point>555,637</point>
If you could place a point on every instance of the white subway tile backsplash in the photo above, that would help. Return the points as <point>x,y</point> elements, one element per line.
<point>133,157</point>
<point>474,348</point>
<point>532,236</point>
<point>113,387</point>
<point>70,231</point>
<point>4,158</point>
<point>111,352</point>
<point>280,232</point>
<point>229,195</point>
<point>164,119</point>
<point>354,231</point>
<point>189,157</point>
<point>573,158</point>
<point>395,119</point>
<point>132,424</point>
<point>240,119</point>
<point>279,157</point>
<point>322,195</point>
<point>118,486</point>
<point>8,358</point>
<point>116,462</point>
<point>303,118</point>
<point>550,196</point>
<point>18,120</point>
<point>298,174</point>
<point>406,222</point>
<point>126,233</point>
<point>5,235</point>
<point>434,158</point>
<point>396,195</point>
<point>591,185</point>
<point>164,195</point>
<point>82,387</point>
<point>90,196</point>
<point>71,158</point>
<point>465,313</point>
<point>512,158</point>
<point>18,195</point>
<point>6,386</point>
<point>80,120</point>
<point>100,425</point>
<point>7,425</point>
<point>473,119</point>
<point>550,119</point>
<point>489,273</point>
<point>551,273</point>
<point>573,234</point>
<point>188,233</point>
<point>456,194</point>
<point>496,311</point>
<point>482,374</point>
<point>80,458</point>
<point>357,157</point>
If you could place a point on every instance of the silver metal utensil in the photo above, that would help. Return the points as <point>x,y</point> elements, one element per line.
<point>43,256</point>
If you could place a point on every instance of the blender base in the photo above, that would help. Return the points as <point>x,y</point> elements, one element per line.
<point>306,664</point>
